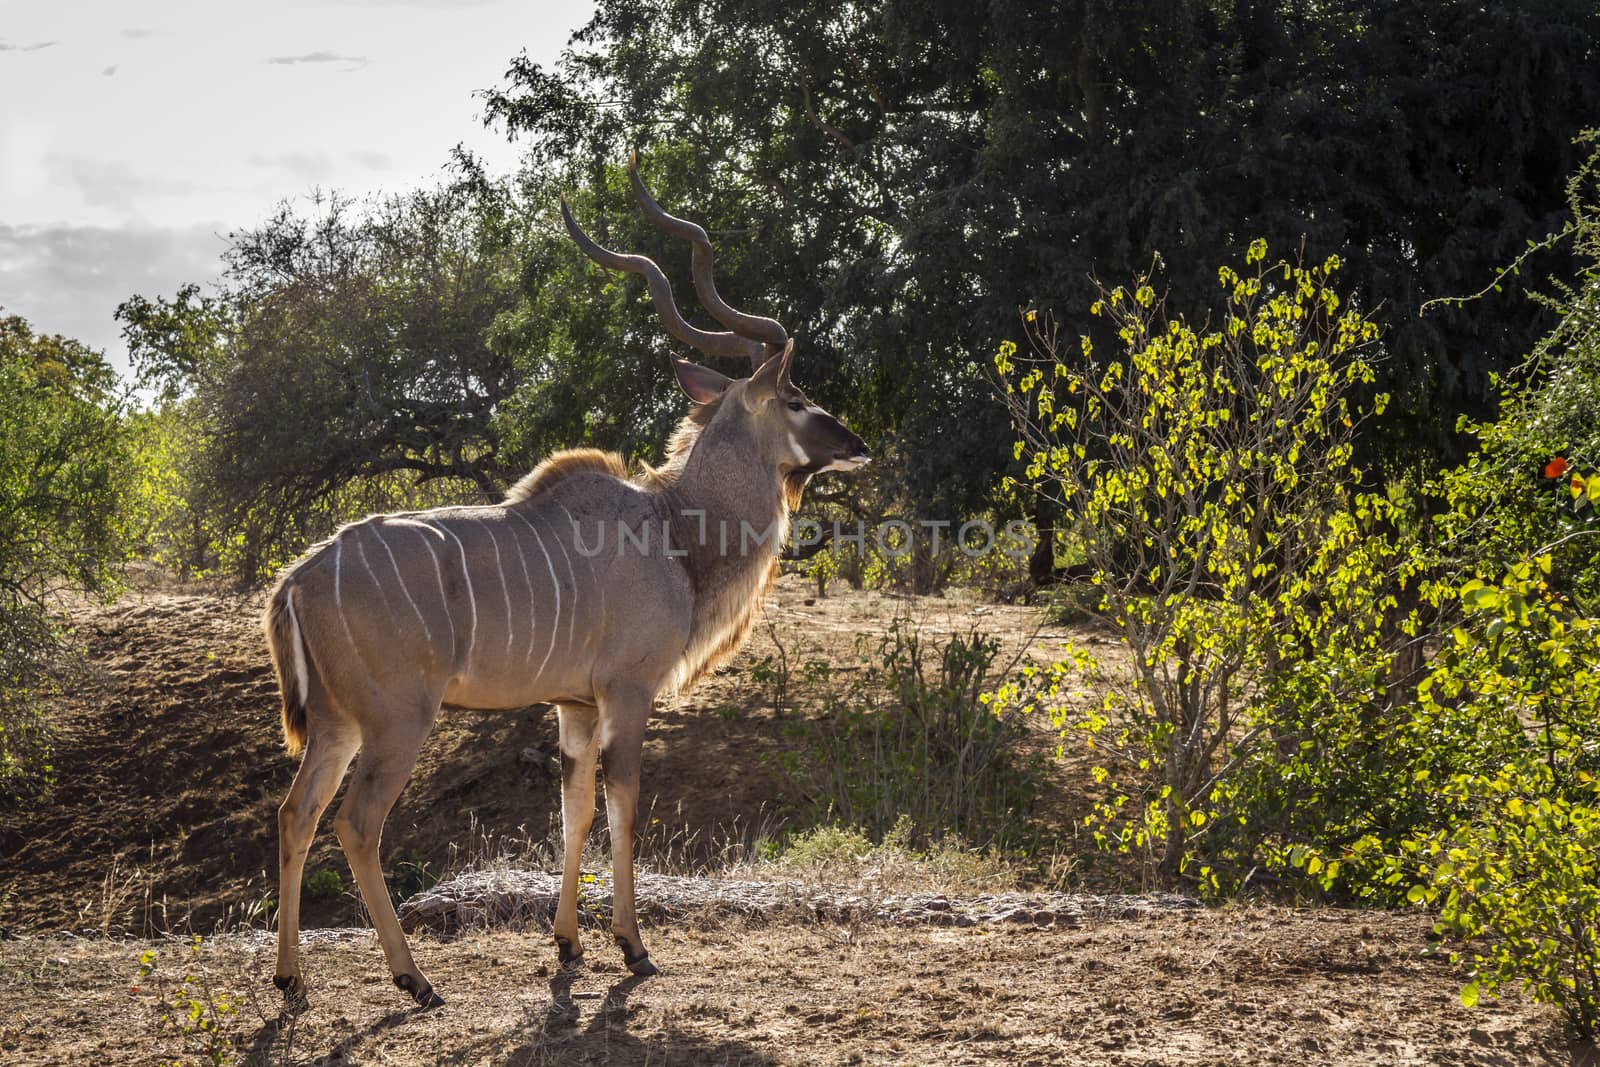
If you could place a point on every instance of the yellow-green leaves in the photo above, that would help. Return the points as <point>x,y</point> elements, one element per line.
<point>1205,464</point>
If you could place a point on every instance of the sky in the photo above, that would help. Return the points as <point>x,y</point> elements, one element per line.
<point>135,135</point>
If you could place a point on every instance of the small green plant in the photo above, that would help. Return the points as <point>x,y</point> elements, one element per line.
<point>825,846</point>
<point>410,877</point>
<point>847,853</point>
<point>191,1008</point>
<point>324,884</point>
<point>912,737</point>
<point>589,888</point>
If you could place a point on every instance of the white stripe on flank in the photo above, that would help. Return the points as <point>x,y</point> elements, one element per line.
<point>426,629</point>
<point>572,611</point>
<point>338,602</point>
<point>361,552</point>
<point>594,579</point>
<point>527,580</point>
<point>504,590</point>
<point>438,573</point>
<point>472,598</point>
<point>302,679</point>
<point>555,624</point>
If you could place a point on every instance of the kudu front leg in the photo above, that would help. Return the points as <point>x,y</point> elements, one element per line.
<point>580,746</point>
<point>622,723</point>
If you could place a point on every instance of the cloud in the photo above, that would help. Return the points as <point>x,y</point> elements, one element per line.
<point>106,183</point>
<point>137,33</point>
<point>109,71</point>
<point>70,279</point>
<point>307,166</point>
<point>370,159</point>
<point>4,47</point>
<point>315,58</point>
<point>418,3</point>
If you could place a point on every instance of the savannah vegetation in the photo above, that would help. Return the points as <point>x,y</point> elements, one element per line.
<point>1279,324</point>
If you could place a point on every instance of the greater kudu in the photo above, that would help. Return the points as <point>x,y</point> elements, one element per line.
<point>585,588</point>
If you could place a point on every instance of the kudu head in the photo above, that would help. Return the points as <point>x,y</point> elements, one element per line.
<point>795,435</point>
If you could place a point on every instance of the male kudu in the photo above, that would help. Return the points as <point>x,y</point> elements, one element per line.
<point>585,588</point>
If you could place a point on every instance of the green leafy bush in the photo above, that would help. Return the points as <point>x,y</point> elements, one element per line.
<point>324,884</point>
<point>1519,880</point>
<point>1512,858</point>
<point>1207,474</point>
<point>64,480</point>
<point>833,853</point>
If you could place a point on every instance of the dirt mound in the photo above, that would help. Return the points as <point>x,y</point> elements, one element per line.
<point>166,762</point>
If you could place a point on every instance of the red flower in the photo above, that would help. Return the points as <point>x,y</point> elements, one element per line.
<point>1556,467</point>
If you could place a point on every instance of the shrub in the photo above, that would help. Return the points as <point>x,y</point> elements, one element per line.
<point>948,864</point>
<point>912,737</point>
<point>1519,879</point>
<point>1512,857</point>
<point>191,1008</point>
<point>324,884</point>
<point>1207,474</point>
<point>63,482</point>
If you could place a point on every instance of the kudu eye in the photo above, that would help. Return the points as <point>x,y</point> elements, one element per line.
<point>795,405</point>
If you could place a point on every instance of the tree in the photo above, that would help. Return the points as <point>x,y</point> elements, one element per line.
<point>1525,488</point>
<point>348,358</point>
<point>63,484</point>
<point>908,174</point>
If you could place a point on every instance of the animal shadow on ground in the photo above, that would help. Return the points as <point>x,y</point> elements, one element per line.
<point>274,1042</point>
<point>555,1034</point>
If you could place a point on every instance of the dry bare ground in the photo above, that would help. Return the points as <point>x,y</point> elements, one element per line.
<point>163,820</point>
<point>1234,986</point>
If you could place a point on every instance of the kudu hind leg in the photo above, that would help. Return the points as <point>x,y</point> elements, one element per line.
<point>327,756</point>
<point>580,746</point>
<point>382,772</point>
<point>621,753</point>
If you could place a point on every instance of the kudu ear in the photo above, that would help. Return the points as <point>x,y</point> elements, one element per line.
<point>701,383</point>
<point>773,376</point>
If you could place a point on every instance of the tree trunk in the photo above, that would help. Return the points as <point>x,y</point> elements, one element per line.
<point>1042,563</point>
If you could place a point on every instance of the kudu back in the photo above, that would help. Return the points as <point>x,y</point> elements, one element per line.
<point>585,588</point>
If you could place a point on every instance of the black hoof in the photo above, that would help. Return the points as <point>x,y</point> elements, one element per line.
<point>425,997</point>
<point>570,957</point>
<point>640,964</point>
<point>294,994</point>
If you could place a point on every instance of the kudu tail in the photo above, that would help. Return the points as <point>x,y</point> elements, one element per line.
<point>290,663</point>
